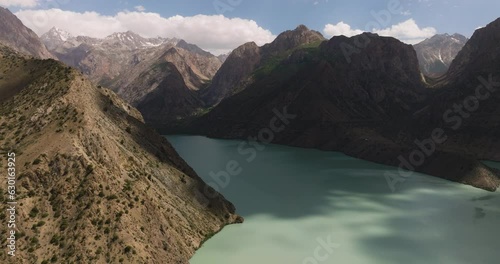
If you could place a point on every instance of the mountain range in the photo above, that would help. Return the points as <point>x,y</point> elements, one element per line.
<point>98,184</point>
<point>139,69</point>
<point>372,104</point>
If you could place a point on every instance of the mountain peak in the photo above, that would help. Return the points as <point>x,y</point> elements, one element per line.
<point>301,27</point>
<point>435,54</point>
<point>291,39</point>
<point>192,48</point>
<point>56,33</point>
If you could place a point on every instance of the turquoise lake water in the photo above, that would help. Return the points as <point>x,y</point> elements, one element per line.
<point>305,206</point>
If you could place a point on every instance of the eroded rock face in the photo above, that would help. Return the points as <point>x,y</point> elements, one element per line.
<point>436,54</point>
<point>18,37</point>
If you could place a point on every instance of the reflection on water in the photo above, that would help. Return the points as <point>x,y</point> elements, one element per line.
<point>307,206</point>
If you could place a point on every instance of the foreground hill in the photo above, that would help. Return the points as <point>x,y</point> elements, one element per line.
<point>94,184</point>
<point>18,37</point>
<point>363,96</point>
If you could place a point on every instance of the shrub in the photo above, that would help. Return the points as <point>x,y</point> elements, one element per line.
<point>34,212</point>
<point>127,249</point>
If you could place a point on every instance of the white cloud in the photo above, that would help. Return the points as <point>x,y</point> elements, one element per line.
<point>140,8</point>
<point>21,3</point>
<point>407,31</point>
<point>341,28</point>
<point>217,34</point>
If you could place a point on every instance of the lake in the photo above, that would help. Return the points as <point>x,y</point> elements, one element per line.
<point>304,206</point>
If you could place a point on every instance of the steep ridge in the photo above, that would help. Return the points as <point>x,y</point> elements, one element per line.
<point>15,35</point>
<point>479,55</point>
<point>436,53</point>
<point>236,71</point>
<point>94,183</point>
<point>364,100</point>
<point>233,73</point>
<point>467,98</point>
<point>170,100</point>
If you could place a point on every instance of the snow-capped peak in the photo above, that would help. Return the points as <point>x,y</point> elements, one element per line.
<point>131,40</point>
<point>57,34</point>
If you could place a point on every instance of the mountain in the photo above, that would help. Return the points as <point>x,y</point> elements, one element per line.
<point>94,183</point>
<point>165,87</point>
<point>55,37</point>
<point>223,57</point>
<point>15,35</point>
<point>468,97</point>
<point>236,71</point>
<point>363,96</point>
<point>436,54</point>
<point>103,59</point>
<point>192,48</point>
<point>479,56</point>
<point>159,76</point>
<point>233,73</point>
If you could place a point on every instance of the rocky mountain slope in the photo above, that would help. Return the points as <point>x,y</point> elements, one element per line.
<point>236,71</point>
<point>371,103</point>
<point>94,184</point>
<point>18,37</point>
<point>180,82</point>
<point>467,101</point>
<point>436,54</point>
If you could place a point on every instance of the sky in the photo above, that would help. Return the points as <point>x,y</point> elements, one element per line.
<point>222,25</point>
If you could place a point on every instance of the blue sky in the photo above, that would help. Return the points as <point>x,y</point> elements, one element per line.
<point>417,19</point>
